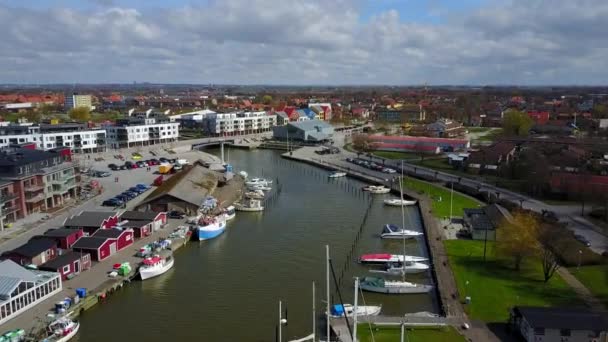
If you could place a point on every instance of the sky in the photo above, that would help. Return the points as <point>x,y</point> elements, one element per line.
<point>305,42</point>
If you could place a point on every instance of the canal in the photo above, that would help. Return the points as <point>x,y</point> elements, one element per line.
<point>228,289</point>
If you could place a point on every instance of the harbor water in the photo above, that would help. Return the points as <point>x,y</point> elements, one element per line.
<point>227,289</point>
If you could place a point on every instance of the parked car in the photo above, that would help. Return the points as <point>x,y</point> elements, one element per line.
<point>123,197</point>
<point>142,186</point>
<point>136,190</point>
<point>100,174</point>
<point>175,214</point>
<point>141,164</point>
<point>113,167</point>
<point>122,167</point>
<point>112,202</point>
<point>129,195</point>
<point>163,160</point>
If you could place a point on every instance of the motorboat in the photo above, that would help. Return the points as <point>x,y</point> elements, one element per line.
<point>230,213</point>
<point>255,194</point>
<point>379,285</point>
<point>258,181</point>
<point>210,227</point>
<point>61,330</point>
<point>396,202</point>
<point>154,266</point>
<point>377,189</point>
<point>243,174</point>
<point>337,174</point>
<point>259,187</point>
<point>385,258</point>
<point>339,310</point>
<point>249,205</point>
<point>399,268</point>
<point>391,231</point>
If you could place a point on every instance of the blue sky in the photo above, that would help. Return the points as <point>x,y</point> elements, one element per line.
<point>475,42</point>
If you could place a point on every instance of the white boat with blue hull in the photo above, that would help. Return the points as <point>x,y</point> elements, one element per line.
<point>210,227</point>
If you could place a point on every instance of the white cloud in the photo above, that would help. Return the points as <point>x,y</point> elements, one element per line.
<point>306,42</point>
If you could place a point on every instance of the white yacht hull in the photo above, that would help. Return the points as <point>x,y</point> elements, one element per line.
<point>410,268</point>
<point>400,235</point>
<point>397,287</point>
<point>389,258</point>
<point>337,175</point>
<point>151,272</point>
<point>369,310</point>
<point>243,208</point>
<point>398,203</point>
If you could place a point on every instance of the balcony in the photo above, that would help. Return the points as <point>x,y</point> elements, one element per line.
<point>7,197</point>
<point>8,210</point>
<point>35,199</point>
<point>34,188</point>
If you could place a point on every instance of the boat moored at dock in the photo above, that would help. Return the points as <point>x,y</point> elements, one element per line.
<point>400,268</point>
<point>339,310</point>
<point>210,227</point>
<point>337,174</point>
<point>379,285</point>
<point>61,330</point>
<point>249,205</point>
<point>386,258</point>
<point>396,202</point>
<point>258,181</point>
<point>156,265</point>
<point>391,231</point>
<point>230,213</point>
<point>377,189</point>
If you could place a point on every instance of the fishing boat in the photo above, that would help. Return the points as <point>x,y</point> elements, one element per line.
<point>379,285</point>
<point>229,213</point>
<point>61,330</point>
<point>259,187</point>
<point>337,174</point>
<point>399,268</point>
<point>258,181</point>
<point>255,194</point>
<point>210,227</point>
<point>339,310</point>
<point>396,202</point>
<point>385,258</point>
<point>249,205</point>
<point>155,266</point>
<point>391,231</point>
<point>377,189</point>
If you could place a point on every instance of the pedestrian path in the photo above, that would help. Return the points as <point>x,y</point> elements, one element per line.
<point>581,290</point>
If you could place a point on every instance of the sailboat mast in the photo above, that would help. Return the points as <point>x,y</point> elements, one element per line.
<point>280,323</point>
<point>314,313</point>
<point>402,221</point>
<point>355,309</point>
<point>327,285</point>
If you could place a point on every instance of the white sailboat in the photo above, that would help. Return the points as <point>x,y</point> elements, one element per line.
<point>258,181</point>
<point>259,187</point>
<point>337,174</point>
<point>386,258</point>
<point>408,267</point>
<point>380,285</point>
<point>339,310</point>
<point>390,231</point>
<point>396,202</point>
<point>377,189</point>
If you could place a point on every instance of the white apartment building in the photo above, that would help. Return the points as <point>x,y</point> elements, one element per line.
<point>77,100</point>
<point>78,137</point>
<point>142,131</point>
<point>239,123</point>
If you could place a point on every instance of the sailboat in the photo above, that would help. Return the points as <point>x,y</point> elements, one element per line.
<point>386,258</point>
<point>399,268</point>
<point>380,285</point>
<point>390,231</point>
<point>396,202</point>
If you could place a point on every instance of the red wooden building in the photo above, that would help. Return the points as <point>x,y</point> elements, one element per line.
<point>68,265</point>
<point>104,243</point>
<point>34,252</point>
<point>64,237</point>
<point>91,221</point>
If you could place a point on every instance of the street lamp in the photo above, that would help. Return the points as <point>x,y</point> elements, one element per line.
<point>580,257</point>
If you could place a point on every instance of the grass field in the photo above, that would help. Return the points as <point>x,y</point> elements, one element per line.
<point>393,334</point>
<point>494,287</point>
<point>595,278</point>
<point>441,198</point>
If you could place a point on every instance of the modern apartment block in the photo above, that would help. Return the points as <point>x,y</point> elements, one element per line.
<point>142,130</point>
<point>240,123</point>
<point>78,137</point>
<point>34,181</point>
<point>77,100</point>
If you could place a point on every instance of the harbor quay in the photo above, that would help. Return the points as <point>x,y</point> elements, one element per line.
<point>446,290</point>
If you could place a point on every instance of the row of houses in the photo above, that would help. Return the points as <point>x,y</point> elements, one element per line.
<point>140,129</point>
<point>45,261</point>
<point>416,144</point>
<point>232,123</point>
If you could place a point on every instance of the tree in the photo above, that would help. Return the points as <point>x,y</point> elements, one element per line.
<point>515,122</point>
<point>81,114</point>
<point>548,257</point>
<point>361,142</point>
<point>266,99</point>
<point>32,116</point>
<point>518,238</point>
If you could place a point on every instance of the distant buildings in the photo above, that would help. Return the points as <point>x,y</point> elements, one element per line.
<point>23,289</point>
<point>483,222</point>
<point>77,100</point>
<point>442,128</point>
<point>401,115</point>
<point>143,129</point>
<point>307,131</point>
<point>417,144</point>
<point>228,124</point>
<point>492,158</point>
<point>78,137</point>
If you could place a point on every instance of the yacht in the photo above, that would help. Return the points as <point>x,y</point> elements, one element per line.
<point>249,205</point>
<point>379,285</point>
<point>258,181</point>
<point>391,231</point>
<point>337,174</point>
<point>377,189</point>
<point>400,268</point>
<point>396,202</point>
<point>385,258</point>
<point>347,310</point>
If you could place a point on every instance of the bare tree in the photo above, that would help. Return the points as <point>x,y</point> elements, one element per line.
<point>550,262</point>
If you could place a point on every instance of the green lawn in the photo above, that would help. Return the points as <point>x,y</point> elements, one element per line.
<point>478,129</point>
<point>494,287</point>
<point>595,279</point>
<point>441,198</point>
<point>491,136</point>
<point>393,334</point>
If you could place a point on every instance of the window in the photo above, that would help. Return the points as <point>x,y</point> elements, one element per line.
<point>85,258</point>
<point>65,269</point>
<point>564,332</point>
<point>539,331</point>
